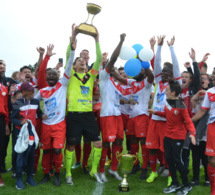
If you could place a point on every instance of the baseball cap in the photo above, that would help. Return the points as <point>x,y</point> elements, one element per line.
<point>26,86</point>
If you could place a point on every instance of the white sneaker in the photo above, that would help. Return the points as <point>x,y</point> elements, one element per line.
<point>103,177</point>
<point>96,175</point>
<point>165,173</point>
<point>69,180</point>
<point>115,174</point>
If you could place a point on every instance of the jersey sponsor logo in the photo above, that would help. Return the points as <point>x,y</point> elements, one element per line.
<point>51,104</point>
<point>84,90</point>
<point>84,102</point>
<point>50,115</point>
<point>158,108</point>
<point>135,98</point>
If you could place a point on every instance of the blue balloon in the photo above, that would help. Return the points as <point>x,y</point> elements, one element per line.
<point>145,65</point>
<point>132,67</point>
<point>137,47</point>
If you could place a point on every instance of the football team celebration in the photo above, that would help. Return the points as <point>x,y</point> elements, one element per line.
<point>101,110</point>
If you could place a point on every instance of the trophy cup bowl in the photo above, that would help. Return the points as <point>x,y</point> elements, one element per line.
<point>93,8</point>
<point>89,29</point>
<point>126,162</point>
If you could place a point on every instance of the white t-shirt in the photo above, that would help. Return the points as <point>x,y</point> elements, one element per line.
<point>209,104</point>
<point>109,94</point>
<point>141,93</point>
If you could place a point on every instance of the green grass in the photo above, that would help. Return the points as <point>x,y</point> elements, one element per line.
<point>84,184</point>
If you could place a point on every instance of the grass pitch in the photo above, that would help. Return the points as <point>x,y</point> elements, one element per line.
<point>85,185</point>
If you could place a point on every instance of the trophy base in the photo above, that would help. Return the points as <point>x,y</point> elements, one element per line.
<point>123,188</point>
<point>87,29</point>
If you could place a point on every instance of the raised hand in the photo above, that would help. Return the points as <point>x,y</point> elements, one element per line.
<point>50,48</point>
<point>171,41</point>
<point>152,42</point>
<point>161,39</point>
<point>41,50</point>
<point>12,88</point>
<point>192,54</point>
<point>74,33</point>
<point>122,37</point>
<point>205,57</point>
<point>187,65</point>
<point>58,66</point>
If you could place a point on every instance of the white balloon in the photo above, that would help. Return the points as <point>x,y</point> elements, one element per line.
<point>127,53</point>
<point>146,54</point>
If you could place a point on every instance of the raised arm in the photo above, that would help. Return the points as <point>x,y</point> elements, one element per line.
<point>150,75</point>
<point>205,57</point>
<point>176,69</point>
<point>196,75</point>
<point>115,54</point>
<point>157,64</point>
<point>41,52</point>
<point>152,44</point>
<point>42,71</point>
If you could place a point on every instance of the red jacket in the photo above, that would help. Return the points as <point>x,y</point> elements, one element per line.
<point>178,120</point>
<point>4,102</point>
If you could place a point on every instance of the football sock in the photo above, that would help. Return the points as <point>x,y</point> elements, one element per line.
<point>145,155</point>
<point>103,159</point>
<point>78,152</point>
<point>86,154</point>
<point>68,162</point>
<point>96,159</point>
<point>58,161</point>
<point>135,150</point>
<point>116,150</point>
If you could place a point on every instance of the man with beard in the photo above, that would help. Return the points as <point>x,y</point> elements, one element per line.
<point>157,124</point>
<point>53,132</point>
<point>209,104</point>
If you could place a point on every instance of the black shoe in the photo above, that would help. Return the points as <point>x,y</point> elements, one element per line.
<point>143,174</point>
<point>207,183</point>
<point>57,179</point>
<point>86,170</point>
<point>171,188</point>
<point>45,179</point>
<point>135,169</point>
<point>184,190</point>
<point>194,183</point>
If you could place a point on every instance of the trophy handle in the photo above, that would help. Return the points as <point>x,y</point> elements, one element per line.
<point>88,17</point>
<point>136,157</point>
<point>92,19</point>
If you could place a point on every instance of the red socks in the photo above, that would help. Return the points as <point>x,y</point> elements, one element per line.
<point>45,163</point>
<point>211,175</point>
<point>116,150</point>
<point>102,160</point>
<point>78,152</point>
<point>58,161</point>
<point>86,154</point>
<point>153,162</point>
<point>135,150</point>
<point>145,156</point>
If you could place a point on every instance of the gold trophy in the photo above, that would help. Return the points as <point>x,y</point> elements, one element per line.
<point>126,162</point>
<point>89,29</point>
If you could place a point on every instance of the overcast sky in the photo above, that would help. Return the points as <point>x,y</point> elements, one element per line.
<point>27,24</point>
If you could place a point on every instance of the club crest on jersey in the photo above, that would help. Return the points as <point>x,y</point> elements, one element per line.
<point>84,90</point>
<point>176,112</point>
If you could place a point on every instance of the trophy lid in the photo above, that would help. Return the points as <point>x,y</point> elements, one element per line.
<point>93,8</point>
